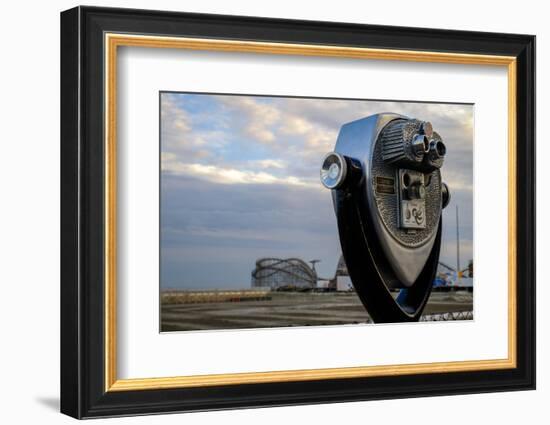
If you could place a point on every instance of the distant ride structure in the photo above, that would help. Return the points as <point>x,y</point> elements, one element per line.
<point>295,274</point>
<point>341,281</point>
<point>283,274</point>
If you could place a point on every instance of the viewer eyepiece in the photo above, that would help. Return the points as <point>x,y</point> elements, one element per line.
<point>420,145</point>
<point>334,170</point>
<point>340,171</point>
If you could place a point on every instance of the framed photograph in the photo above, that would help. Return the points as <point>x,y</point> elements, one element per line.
<point>261,212</point>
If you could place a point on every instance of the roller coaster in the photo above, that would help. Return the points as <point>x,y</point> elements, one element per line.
<point>281,274</point>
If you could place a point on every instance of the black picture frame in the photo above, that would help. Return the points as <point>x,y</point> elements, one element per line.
<point>83,393</point>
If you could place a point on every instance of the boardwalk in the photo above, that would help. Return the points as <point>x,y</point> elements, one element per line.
<point>290,309</point>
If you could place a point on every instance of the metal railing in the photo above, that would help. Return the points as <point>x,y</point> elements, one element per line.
<point>442,317</point>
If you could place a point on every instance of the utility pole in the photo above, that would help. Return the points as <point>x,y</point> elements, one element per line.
<point>457,247</point>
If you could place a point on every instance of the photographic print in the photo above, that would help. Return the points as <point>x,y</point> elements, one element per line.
<point>285,211</point>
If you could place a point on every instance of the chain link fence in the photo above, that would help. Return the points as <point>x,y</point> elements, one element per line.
<point>442,317</point>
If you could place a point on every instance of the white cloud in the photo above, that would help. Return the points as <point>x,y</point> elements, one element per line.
<point>296,125</point>
<point>255,118</point>
<point>291,136</point>
<point>316,137</point>
<point>176,124</point>
<point>226,175</point>
<point>268,163</point>
<point>181,138</point>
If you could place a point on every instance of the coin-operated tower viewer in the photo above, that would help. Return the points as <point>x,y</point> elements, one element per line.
<point>388,196</point>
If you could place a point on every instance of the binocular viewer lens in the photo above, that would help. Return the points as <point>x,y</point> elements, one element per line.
<point>333,170</point>
<point>338,171</point>
<point>420,145</point>
<point>438,148</point>
<point>412,144</point>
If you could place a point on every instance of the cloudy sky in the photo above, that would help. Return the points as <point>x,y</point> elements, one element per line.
<point>240,181</point>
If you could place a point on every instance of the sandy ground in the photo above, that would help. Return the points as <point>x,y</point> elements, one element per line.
<point>290,309</point>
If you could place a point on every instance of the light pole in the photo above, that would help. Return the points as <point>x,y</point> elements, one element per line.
<point>457,247</point>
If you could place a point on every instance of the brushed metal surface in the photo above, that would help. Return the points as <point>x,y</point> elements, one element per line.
<point>357,140</point>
